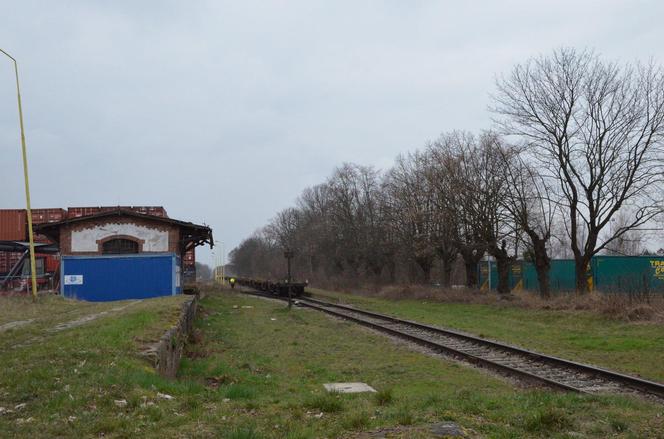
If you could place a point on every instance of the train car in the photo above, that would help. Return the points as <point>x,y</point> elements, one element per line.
<point>275,288</point>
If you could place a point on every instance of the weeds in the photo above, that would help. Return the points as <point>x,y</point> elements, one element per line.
<point>618,426</point>
<point>384,397</point>
<point>240,391</point>
<point>357,421</point>
<point>326,402</point>
<point>545,420</point>
<point>243,433</point>
<point>404,416</point>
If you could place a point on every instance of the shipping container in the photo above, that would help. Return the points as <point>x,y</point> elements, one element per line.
<point>485,282</point>
<point>523,275</point>
<point>51,215</point>
<point>8,260</point>
<point>120,277</point>
<point>628,274</point>
<point>52,263</point>
<point>76,212</point>
<point>608,274</point>
<point>12,225</point>
<point>561,275</point>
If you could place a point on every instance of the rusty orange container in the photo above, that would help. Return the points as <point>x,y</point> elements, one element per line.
<point>12,225</point>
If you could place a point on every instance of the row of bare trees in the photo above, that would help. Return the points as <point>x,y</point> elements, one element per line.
<point>575,157</point>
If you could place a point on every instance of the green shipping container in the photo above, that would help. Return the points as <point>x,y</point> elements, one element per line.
<point>524,276</point>
<point>610,274</point>
<point>628,274</point>
<point>561,276</point>
<point>486,282</point>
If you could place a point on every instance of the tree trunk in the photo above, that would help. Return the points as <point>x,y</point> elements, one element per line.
<point>542,264</point>
<point>543,279</point>
<point>471,257</point>
<point>503,267</point>
<point>471,273</point>
<point>392,270</point>
<point>447,256</point>
<point>425,264</point>
<point>427,274</point>
<point>581,268</point>
<point>447,273</point>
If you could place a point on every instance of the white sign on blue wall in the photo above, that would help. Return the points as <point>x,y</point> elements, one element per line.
<point>73,279</point>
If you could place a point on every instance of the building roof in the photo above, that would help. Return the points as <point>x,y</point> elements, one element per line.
<point>192,234</point>
<point>22,246</point>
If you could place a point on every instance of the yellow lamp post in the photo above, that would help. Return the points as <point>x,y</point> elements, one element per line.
<point>33,270</point>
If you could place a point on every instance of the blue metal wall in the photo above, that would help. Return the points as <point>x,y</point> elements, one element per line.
<point>120,277</point>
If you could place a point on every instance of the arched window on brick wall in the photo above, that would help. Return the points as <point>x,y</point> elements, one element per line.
<point>119,246</point>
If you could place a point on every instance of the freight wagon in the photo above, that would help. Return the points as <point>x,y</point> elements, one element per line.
<point>276,288</point>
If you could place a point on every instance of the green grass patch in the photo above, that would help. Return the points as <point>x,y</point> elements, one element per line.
<point>328,402</point>
<point>384,397</point>
<point>65,382</point>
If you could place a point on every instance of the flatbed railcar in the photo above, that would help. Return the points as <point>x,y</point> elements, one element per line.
<point>276,288</point>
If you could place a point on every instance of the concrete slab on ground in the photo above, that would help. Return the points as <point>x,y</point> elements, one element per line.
<point>348,387</point>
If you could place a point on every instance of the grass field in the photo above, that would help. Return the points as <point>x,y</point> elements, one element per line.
<point>264,368</point>
<point>67,363</point>
<point>256,371</point>
<point>635,348</point>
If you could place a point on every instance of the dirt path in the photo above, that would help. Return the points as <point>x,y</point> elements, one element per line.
<point>16,324</point>
<point>85,319</point>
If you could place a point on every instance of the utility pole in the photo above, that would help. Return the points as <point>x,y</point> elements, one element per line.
<point>33,269</point>
<point>288,254</point>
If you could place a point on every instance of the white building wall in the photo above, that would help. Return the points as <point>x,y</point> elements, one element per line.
<point>86,240</point>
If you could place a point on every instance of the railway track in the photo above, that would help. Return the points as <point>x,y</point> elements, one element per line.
<point>526,365</point>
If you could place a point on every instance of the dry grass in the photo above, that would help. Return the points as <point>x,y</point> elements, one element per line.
<point>627,307</point>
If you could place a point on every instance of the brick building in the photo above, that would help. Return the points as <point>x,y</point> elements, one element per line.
<point>14,263</point>
<point>121,254</point>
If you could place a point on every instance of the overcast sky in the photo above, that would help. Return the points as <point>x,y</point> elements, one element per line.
<point>223,112</point>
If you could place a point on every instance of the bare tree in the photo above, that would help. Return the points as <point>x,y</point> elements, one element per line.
<point>628,244</point>
<point>442,160</point>
<point>476,195</point>
<point>486,191</point>
<point>456,215</point>
<point>596,128</point>
<point>410,210</point>
<point>530,202</point>
<point>283,228</point>
<point>256,256</point>
<point>355,213</point>
<point>318,245</point>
